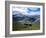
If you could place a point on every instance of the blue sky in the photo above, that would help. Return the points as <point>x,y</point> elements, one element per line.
<point>27,10</point>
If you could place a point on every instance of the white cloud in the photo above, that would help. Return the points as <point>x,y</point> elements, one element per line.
<point>24,11</point>
<point>34,13</point>
<point>21,10</point>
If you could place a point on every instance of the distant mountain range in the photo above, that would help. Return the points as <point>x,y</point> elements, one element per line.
<point>31,18</point>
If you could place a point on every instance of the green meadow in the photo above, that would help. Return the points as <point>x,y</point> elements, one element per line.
<point>21,27</point>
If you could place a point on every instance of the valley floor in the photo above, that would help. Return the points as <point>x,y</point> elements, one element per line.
<point>22,27</point>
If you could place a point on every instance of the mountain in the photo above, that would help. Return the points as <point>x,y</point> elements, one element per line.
<point>21,17</point>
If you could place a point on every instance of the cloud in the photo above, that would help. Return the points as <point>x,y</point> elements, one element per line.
<point>35,13</point>
<point>27,11</point>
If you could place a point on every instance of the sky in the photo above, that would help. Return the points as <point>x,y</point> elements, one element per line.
<point>26,10</point>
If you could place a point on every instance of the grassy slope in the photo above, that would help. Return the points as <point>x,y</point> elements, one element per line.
<point>35,26</point>
<point>19,26</point>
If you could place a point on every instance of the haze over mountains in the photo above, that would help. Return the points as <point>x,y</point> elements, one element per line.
<point>27,14</point>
